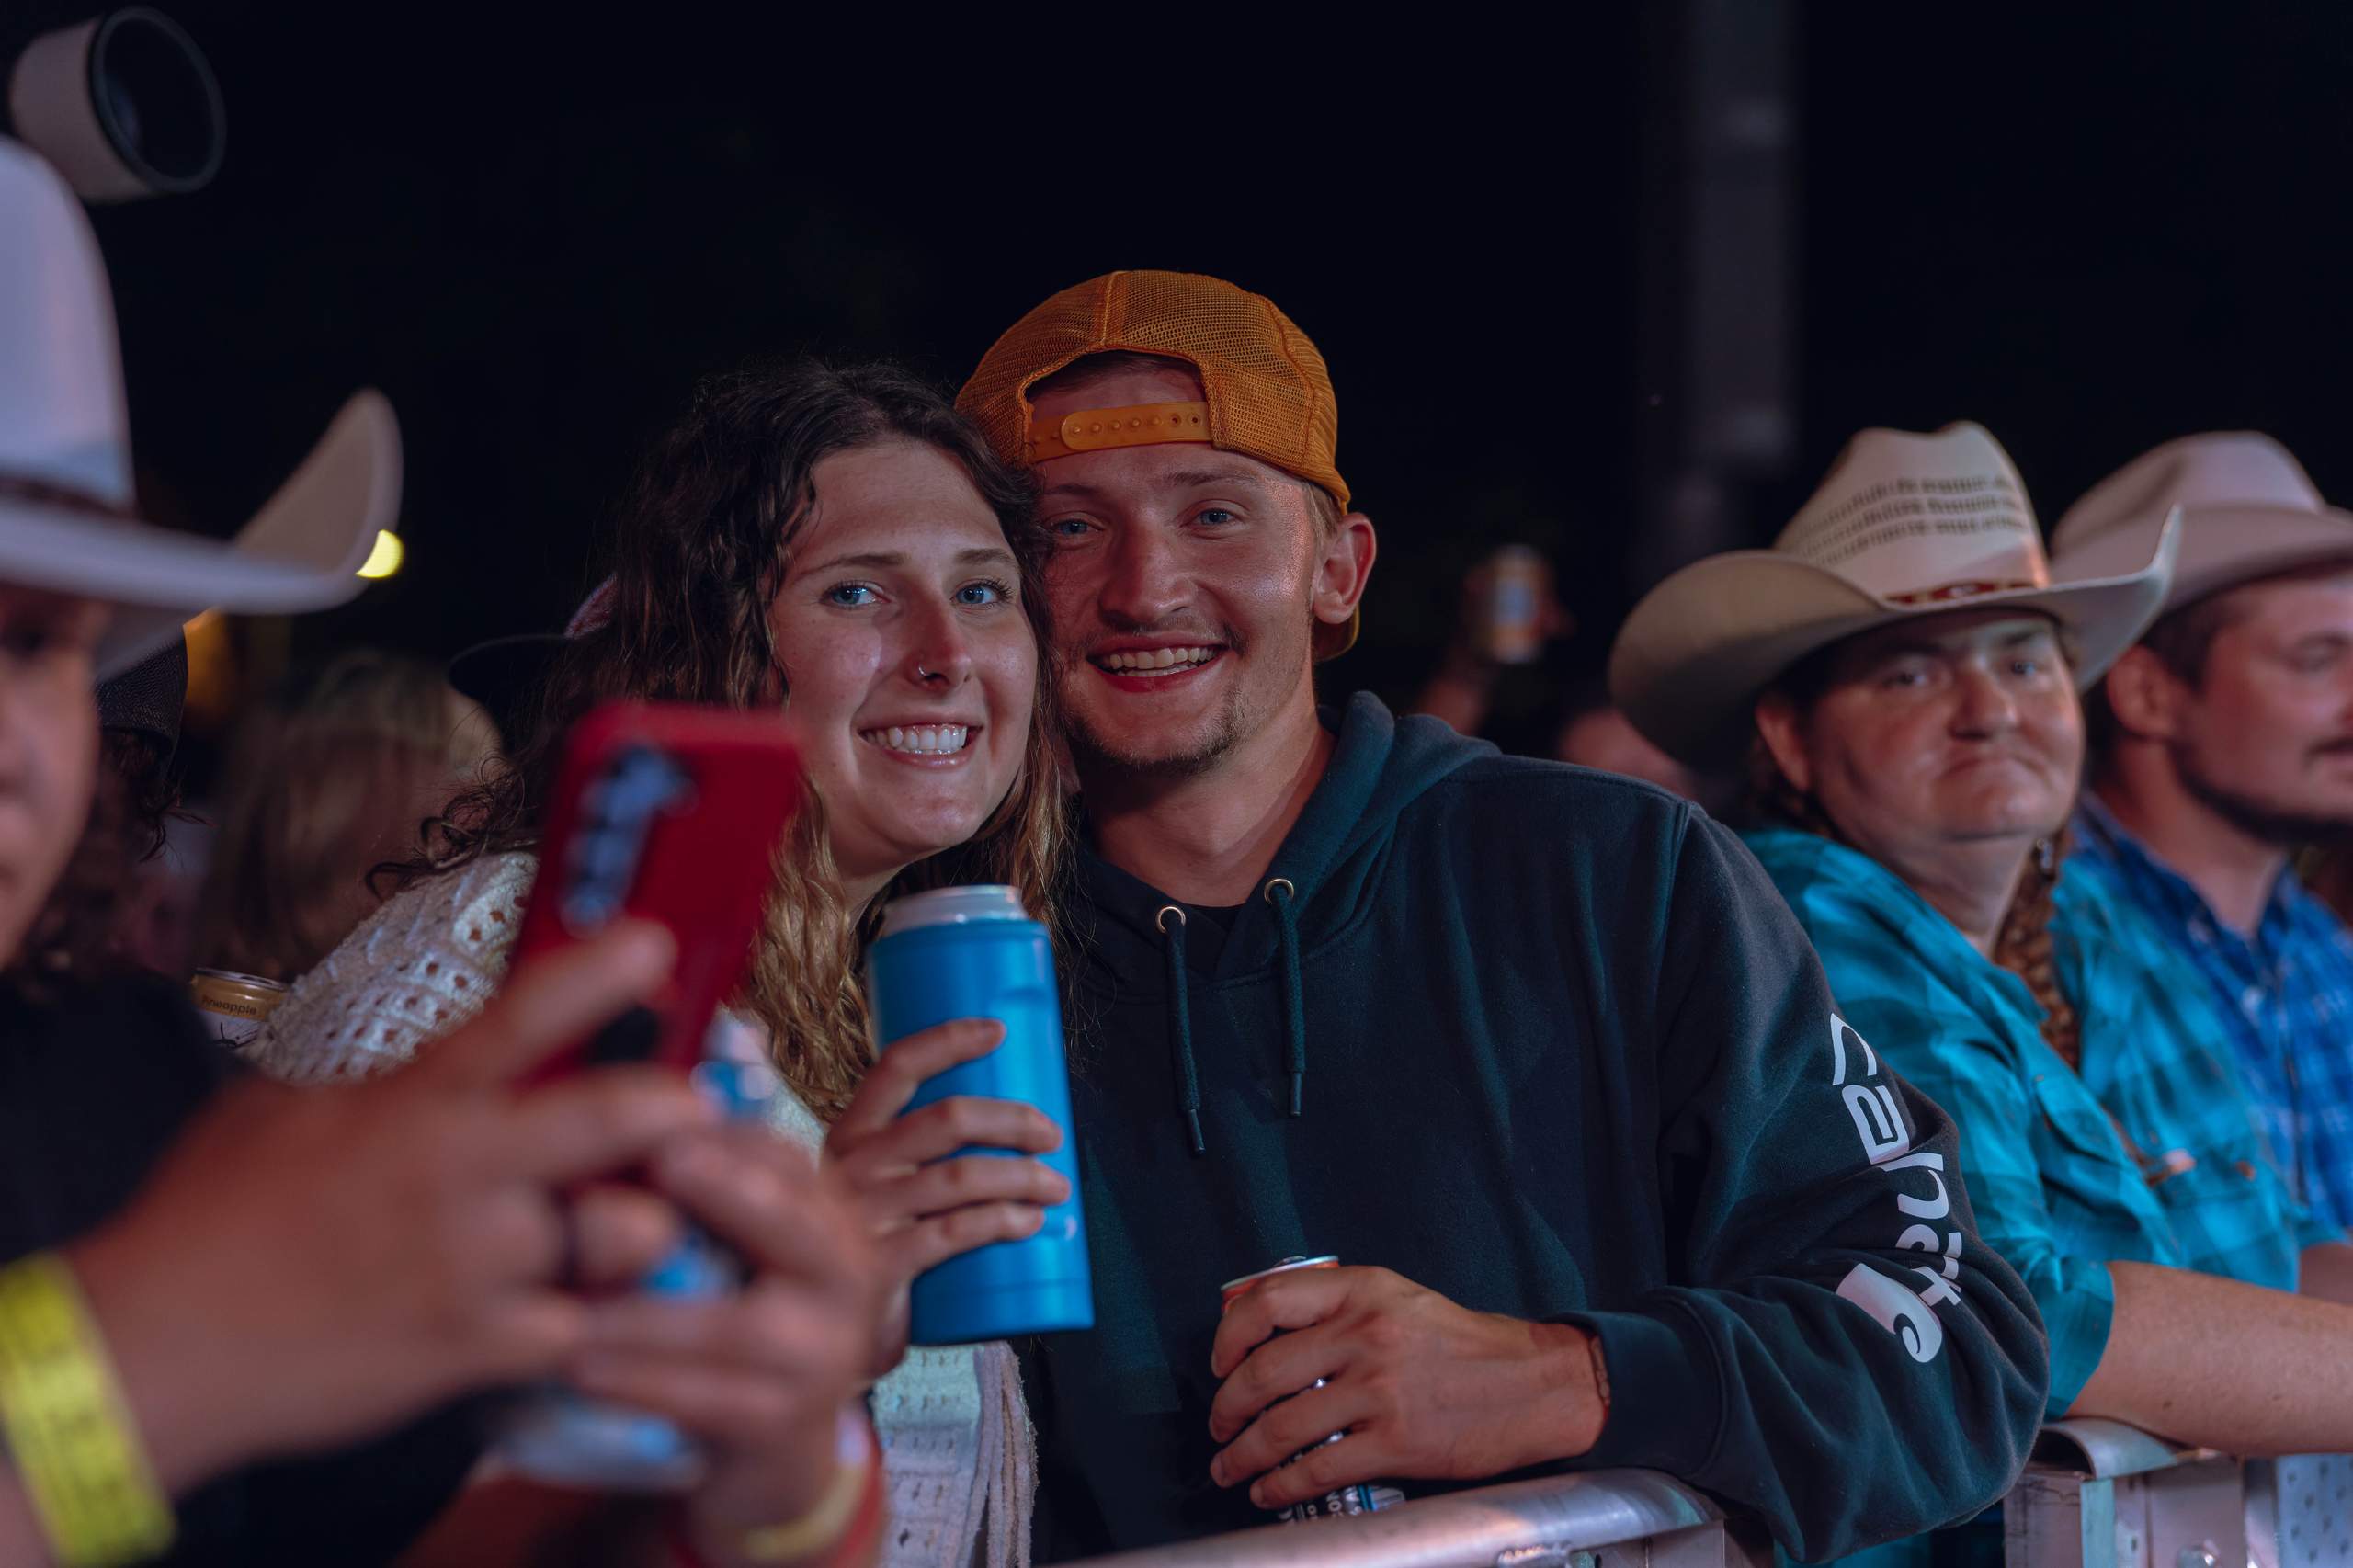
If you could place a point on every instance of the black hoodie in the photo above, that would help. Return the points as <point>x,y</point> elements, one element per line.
<point>1559,1050</point>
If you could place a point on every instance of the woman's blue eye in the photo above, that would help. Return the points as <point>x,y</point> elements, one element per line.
<point>846,594</point>
<point>979,593</point>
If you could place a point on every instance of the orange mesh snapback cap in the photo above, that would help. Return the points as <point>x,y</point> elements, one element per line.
<point>1266,393</point>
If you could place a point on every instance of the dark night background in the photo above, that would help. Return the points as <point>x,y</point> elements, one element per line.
<point>2089,234</point>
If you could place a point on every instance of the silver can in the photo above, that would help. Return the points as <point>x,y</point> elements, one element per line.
<point>233,1006</point>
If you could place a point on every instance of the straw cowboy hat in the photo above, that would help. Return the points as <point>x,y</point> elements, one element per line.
<point>1905,525</point>
<point>2248,508</point>
<point>67,518</point>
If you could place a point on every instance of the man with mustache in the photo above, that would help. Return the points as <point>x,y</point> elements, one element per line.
<point>1535,1051</point>
<point>2221,743</point>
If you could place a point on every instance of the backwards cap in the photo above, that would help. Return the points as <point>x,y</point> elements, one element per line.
<point>1266,393</point>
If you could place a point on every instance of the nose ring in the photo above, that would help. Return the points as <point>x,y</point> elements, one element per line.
<point>922,673</point>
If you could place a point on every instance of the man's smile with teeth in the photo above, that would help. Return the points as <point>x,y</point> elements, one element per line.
<point>928,740</point>
<point>1144,661</point>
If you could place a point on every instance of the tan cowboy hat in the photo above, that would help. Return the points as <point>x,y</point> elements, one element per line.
<point>2247,509</point>
<point>67,521</point>
<point>1904,525</point>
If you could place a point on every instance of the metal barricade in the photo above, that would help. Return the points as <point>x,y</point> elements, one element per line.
<point>1609,1518</point>
<point>2096,1495</point>
<point>2100,1493</point>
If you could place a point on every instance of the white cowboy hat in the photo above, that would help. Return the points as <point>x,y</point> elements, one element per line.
<point>2248,510</point>
<point>66,518</point>
<point>1904,525</point>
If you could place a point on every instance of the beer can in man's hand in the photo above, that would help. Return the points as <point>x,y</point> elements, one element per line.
<point>233,1006</point>
<point>1363,1497</point>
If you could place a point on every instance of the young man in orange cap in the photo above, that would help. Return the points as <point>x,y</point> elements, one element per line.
<point>1536,1052</point>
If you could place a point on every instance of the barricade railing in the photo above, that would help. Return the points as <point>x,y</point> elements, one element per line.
<point>2100,1493</point>
<point>1606,1519</point>
<point>2096,1494</point>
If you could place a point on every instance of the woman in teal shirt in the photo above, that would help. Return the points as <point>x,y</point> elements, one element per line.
<point>1901,676</point>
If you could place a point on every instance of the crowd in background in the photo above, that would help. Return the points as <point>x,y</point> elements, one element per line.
<point>1904,1024</point>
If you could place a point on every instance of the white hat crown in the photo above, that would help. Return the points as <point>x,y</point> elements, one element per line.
<point>64,421</point>
<point>1904,526</point>
<point>2233,469</point>
<point>2248,508</point>
<point>1915,518</point>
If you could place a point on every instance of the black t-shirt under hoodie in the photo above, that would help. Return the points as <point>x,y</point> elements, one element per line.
<point>95,1085</point>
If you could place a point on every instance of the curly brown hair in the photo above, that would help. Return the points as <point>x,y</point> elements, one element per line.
<point>73,937</point>
<point>704,544</point>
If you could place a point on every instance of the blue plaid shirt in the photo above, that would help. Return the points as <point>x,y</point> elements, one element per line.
<point>2151,1153</point>
<point>2286,1000</point>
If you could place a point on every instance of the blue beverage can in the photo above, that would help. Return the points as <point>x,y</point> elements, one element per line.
<point>973,952</point>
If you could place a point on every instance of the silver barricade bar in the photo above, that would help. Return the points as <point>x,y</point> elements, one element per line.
<point>2102,1492</point>
<point>1609,1518</point>
<point>2096,1495</point>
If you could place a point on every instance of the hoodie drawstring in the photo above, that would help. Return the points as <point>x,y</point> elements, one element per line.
<point>1294,1005</point>
<point>1180,1025</point>
<point>1279,894</point>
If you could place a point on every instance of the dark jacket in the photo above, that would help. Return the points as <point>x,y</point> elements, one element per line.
<point>1559,1050</point>
<point>94,1086</point>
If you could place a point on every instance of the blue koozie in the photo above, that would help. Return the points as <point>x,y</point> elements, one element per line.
<point>972,952</point>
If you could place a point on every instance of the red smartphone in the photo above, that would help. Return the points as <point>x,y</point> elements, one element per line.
<point>667,812</point>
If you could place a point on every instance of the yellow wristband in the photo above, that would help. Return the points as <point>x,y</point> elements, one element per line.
<point>831,1514</point>
<point>68,1430</point>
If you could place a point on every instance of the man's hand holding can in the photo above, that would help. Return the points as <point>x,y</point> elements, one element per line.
<point>1416,1387</point>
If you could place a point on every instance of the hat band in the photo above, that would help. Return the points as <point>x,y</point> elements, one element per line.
<point>1952,592</point>
<point>1142,424</point>
<point>46,493</point>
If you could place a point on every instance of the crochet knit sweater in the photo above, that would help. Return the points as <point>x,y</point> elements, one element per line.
<point>956,1440</point>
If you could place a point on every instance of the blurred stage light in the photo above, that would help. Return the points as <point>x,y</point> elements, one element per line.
<point>386,558</point>
<point>212,675</point>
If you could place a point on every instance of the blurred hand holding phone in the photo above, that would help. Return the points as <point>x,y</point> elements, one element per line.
<point>673,814</point>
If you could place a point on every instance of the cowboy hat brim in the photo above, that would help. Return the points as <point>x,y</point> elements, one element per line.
<point>2222,547</point>
<point>302,551</point>
<point>1695,654</point>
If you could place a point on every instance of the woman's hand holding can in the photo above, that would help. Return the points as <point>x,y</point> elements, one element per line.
<point>923,1207</point>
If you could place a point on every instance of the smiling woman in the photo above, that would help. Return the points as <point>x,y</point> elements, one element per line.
<point>840,546</point>
<point>909,666</point>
